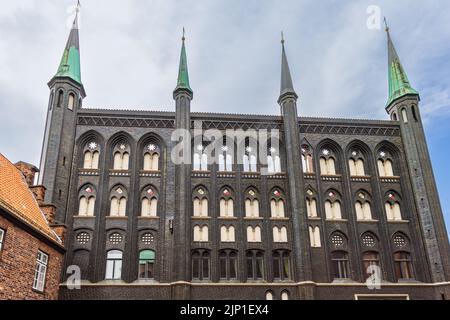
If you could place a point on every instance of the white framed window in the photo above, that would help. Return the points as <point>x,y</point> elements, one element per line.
<point>2,239</point>
<point>40,271</point>
<point>113,265</point>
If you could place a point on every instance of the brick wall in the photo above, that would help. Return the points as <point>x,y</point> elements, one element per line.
<point>18,261</point>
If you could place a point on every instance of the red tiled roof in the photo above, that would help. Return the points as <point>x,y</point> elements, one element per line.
<point>17,199</point>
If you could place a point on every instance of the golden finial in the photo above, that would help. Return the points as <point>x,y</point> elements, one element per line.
<point>282,37</point>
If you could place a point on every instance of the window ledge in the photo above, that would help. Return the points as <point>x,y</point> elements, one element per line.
<point>368,221</point>
<point>227,218</point>
<point>398,221</point>
<point>83,217</point>
<point>280,218</point>
<point>314,218</point>
<point>200,218</point>
<point>337,220</point>
<point>253,218</point>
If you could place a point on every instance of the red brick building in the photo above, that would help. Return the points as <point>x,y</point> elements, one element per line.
<point>31,243</point>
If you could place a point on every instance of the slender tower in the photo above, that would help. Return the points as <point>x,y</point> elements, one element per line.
<point>182,95</point>
<point>66,95</point>
<point>288,103</point>
<point>403,106</point>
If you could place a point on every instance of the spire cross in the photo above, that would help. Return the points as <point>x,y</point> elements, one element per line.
<point>282,37</point>
<point>386,25</point>
<point>184,32</point>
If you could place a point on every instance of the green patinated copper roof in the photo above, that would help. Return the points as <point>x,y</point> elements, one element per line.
<point>70,61</point>
<point>399,85</point>
<point>183,74</point>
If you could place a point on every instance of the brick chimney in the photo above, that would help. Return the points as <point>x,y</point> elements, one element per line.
<point>28,171</point>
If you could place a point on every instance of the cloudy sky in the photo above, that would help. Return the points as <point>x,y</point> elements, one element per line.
<point>130,53</point>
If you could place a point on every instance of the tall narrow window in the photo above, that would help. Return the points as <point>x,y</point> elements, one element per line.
<point>404,116</point>
<point>307,159</point>
<point>385,164</point>
<point>200,162</point>
<point>151,157</point>
<point>86,203</point>
<point>147,264</point>
<point>333,210</point>
<point>226,159</point>
<point>200,203</point>
<point>370,258</point>
<point>149,203</point>
<point>339,260</point>
<point>273,161</point>
<point>113,265</point>
<point>118,205</point>
<point>40,271</point>
<point>250,161</point>
<point>281,265</point>
<point>2,239</point>
<point>60,98</point>
<point>251,204</point>
<point>200,265</point>
<point>327,163</point>
<point>71,102</point>
<point>277,204</point>
<point>226,203</point>
<point>255,265</point>
<point>356,164</point>
<point>201,233</point>
<point>91,155</point>
<point>121,156</point>
<point>403,266</point>
<point>314,237</point>
<point>311,208</point>
<point>392,207</point>
<point>363,210</point>
<point>228,265</point>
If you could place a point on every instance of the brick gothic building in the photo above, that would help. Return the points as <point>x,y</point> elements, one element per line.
<point>31,248</point>
<point>341,195</point>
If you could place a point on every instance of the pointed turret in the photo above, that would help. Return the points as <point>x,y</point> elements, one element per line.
<point>70,62</point>
<point>183,75</point>
<point>399,85</point>
<point>287,87</point>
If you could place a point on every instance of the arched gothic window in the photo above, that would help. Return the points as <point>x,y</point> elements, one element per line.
<point>311,204</point>
<point>307,159</point>
<point>121,156</point>
<point>201,262</point>
<point>333,206</point>
<point>200,161</point>
<point>392,207</point>
<point>255,264</point>
<point>363,207</point>
<point>385,164</point>
<point>280,235</point>
<point>226,203</point>
<point>327,162</point>
<point>226,157</point>
<point>149,202</point>
<point>277,204</point>
<point>250,160</point>
<point>356,163</point>
<point>281,265</point>
<point>118,206</point>
<point>314,236</point>
<point>251,204</point>
<point>201,233</point>
<point>227,234</point>
<point>228,264</point>
<point>273,161</point>
<point>200,202</point>
<point>151,157</point>
<point>71,102</point>
<point>253,234</point>
<point>91,155</point>
<point>87,201</point>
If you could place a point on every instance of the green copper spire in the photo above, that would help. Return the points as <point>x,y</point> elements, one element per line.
<point>286,86</point>
<point>399,85</point>
<point>183,75</point>
<point>70,62</point>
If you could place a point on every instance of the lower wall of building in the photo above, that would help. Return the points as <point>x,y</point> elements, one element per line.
<point>18,263</point>
<point>301,291</point>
